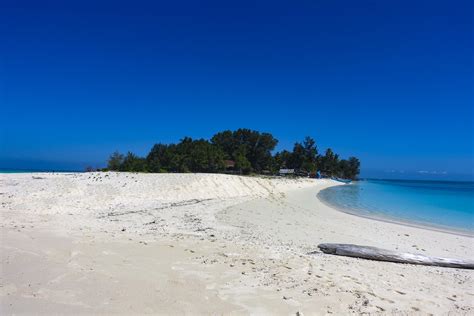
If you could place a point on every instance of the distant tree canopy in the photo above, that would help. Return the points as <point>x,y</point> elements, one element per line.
<point>115,161</point>
<point>187,156</point>
<point>249,151</point>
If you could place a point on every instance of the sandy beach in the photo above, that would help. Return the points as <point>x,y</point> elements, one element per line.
<point>125,243</point>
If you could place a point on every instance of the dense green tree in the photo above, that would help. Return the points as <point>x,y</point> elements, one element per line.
<point>226,142</point>
<point>132,162</point>
<point>329,163</point>
<point>187,156</point>
<point>353,167</point>
<point>257,147</point>
<point>348,169</point>
<point>158,158</point>
<point>261,152</point>
<point>250,150</point>
<point>304,156</point>
<point>282,160</point>
<point>242,164</point>
<point>115,161</point>
<point>311,155</point>
<point>202,156</point>
<point>343,169</point>
<point>297,157</point>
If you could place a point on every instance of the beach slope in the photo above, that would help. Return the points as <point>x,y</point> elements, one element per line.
<point>127,243</point>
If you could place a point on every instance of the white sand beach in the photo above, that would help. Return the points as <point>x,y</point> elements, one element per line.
<point>124,243</point>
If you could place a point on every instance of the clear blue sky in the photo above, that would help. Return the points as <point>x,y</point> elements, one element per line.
<point>390,82</point>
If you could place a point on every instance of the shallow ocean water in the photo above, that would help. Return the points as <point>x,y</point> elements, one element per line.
<point>440,204</point>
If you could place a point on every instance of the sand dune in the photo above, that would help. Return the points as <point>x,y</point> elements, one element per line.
<point>126,243</point>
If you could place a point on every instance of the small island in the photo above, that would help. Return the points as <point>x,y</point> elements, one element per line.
<point>242,151</point>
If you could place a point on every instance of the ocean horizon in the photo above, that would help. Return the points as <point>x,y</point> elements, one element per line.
<point>445,205</point>
<point>36,170</point>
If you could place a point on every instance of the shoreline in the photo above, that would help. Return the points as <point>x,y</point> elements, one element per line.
<point>208,244</point>
<point>400,222</point>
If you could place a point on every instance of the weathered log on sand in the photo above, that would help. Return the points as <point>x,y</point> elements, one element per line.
<point>373,253</point>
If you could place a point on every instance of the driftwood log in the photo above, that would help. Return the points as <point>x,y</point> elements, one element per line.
<point>373,253</point>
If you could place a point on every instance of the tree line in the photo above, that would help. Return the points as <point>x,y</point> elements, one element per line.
<point>243,151</point>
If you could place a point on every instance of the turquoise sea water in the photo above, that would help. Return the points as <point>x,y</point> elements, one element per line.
<point>15,171</point>
<point>441,204</point>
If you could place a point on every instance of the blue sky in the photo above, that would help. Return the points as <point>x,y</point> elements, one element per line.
<point>388,82</point>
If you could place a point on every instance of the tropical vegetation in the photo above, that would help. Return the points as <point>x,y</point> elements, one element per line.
<point>242,151</point>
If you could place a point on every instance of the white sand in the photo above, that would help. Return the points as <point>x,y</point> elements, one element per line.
<point>125,243</point>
